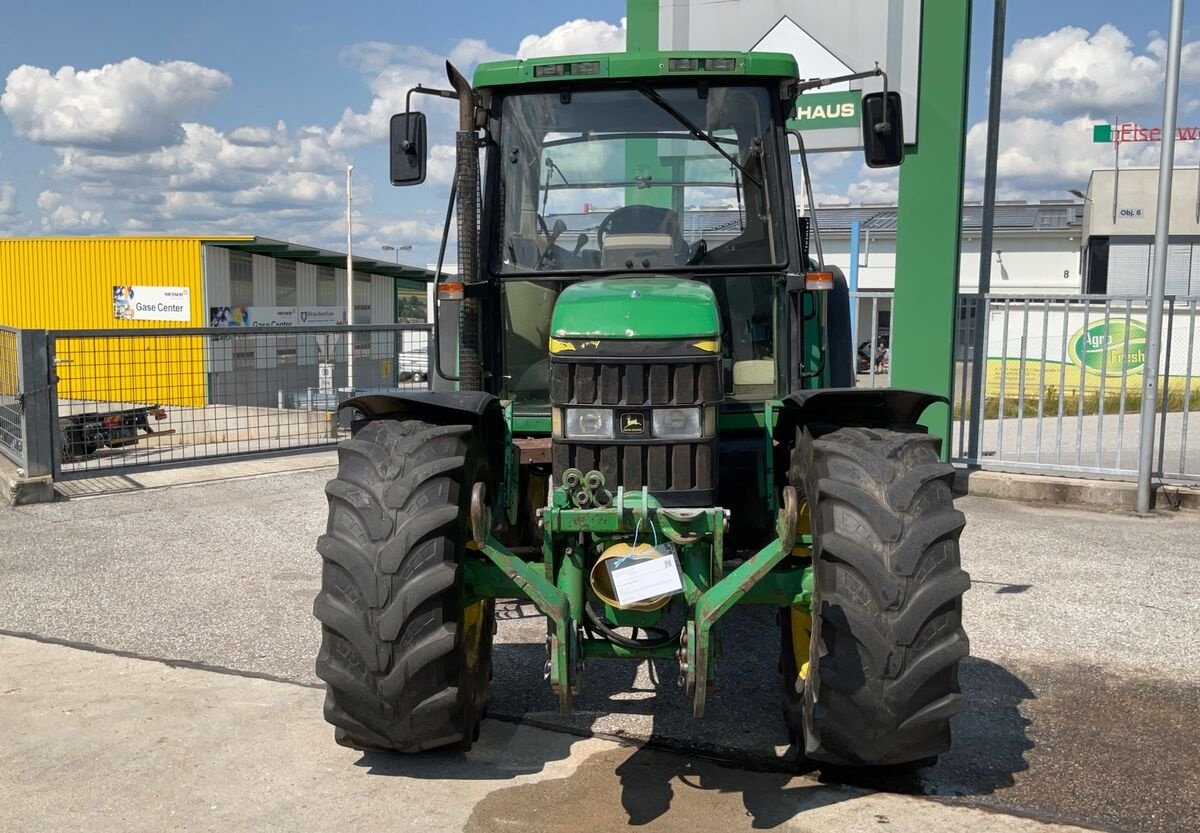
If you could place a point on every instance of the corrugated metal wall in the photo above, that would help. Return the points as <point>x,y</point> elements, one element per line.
<point>67,283</point>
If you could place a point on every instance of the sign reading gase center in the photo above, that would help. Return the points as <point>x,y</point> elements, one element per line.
<point>151,303</point>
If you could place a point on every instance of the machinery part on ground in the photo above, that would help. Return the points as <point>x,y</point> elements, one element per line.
<point>405,661</point>
<point>887,632</point>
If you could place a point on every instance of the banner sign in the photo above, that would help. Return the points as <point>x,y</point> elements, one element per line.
<point>275,316</point>
<point>824,110</point>
<point>152,303</point>
<point>1059,346</point>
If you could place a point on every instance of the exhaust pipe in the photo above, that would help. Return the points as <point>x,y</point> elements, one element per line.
<point>466,181</point>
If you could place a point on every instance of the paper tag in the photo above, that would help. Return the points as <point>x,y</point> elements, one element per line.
<point>638,579</point>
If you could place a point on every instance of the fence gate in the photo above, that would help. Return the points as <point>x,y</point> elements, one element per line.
<point>1062,389</point>
<point>133,399</point>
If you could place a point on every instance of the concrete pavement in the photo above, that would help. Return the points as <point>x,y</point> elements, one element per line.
<point>105,743</point>
<point>1083,696</point>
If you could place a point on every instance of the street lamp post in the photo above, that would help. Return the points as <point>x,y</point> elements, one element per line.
<point>349,278</point>
<point>397,250</point>
<point>1158,275</point>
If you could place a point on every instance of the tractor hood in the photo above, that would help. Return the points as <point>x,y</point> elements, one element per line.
<point>636,308</point>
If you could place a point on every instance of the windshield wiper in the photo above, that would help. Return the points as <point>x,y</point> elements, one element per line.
<point>694,130</point>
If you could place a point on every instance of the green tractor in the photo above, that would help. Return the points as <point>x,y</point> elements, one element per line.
<point>643,414</point>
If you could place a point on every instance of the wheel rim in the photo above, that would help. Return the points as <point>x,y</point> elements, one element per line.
<point>472,624</point>
<point>801,625</point>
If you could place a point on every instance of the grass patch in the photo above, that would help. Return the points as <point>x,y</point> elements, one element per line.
<point>1177,402</point>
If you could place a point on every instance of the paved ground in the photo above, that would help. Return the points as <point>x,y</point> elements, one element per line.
<point>1083,693</point>
<point>111,743</point>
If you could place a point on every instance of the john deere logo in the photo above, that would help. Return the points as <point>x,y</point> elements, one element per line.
<point>1113,348</point>
<point>632,424</point>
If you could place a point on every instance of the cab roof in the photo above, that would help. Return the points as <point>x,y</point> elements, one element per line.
<point>628,65</point>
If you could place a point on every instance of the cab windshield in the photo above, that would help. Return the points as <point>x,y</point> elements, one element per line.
<point>623,179</point>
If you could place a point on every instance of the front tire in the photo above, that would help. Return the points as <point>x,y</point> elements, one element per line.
<point>405,660</point>
<point>886,636</point>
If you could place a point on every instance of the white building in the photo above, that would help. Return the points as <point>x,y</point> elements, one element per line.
<point>1035,246</point>
<point>1118,231</point>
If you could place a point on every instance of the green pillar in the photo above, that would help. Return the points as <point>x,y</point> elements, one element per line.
<point>930,218</point>
<point>641,155</point>
<point>641,21</point>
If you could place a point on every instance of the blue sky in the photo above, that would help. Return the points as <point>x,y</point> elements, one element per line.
<point>142,117</point>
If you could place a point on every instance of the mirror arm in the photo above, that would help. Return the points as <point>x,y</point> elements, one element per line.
<point>812,207</point>
<point>408,107</point>
<point>817,83</point>
<point>881,128</point>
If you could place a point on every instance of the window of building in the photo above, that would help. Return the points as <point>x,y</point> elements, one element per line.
<point>285,283</point>
<point>285,296</point>
<point>326,287</point>
<point>241,280</point>
<point>362,314</point>
<point>241,294</point>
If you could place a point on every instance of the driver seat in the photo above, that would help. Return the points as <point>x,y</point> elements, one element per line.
<point>641,234</point>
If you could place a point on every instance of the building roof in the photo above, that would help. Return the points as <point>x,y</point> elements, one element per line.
<point>1009,217</point>
<point>1033,217</point>
<point>320,257</point>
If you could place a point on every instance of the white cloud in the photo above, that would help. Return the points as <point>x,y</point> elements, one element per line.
<point>1042,158</point>
<point>875,186</point>
<point>254,136</point>
<point>8,200</point>
<point>394,70</point>
<point>132,156</point>
<point>1072,72</point>
<point>128,106</point>
<point>575,37</point>
<point>60,213</point>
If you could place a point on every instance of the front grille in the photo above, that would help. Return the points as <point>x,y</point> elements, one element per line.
<point>635,385</point>
<point>679,467</point>
<point>679,473</point>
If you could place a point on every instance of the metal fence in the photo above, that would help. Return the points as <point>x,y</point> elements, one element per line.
<point>12,432</point>
<point>1062,388</point>
<point>871,326</point>
<point>128,399</point>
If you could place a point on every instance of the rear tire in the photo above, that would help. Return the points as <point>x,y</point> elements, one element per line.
<point>887,632</point>
<point>406,663</point>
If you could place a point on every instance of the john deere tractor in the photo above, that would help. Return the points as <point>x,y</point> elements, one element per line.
<point>642,415</point>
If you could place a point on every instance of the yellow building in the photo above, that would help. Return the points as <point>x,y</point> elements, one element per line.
<point>160,284</point>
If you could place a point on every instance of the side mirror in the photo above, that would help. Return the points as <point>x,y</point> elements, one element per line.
<point>408,148</point>
<point>883,130</point>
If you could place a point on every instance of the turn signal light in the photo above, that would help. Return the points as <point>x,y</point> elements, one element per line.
<point>818,281</point>
<point>450,291</point>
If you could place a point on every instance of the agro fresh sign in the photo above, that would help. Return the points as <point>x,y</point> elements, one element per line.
<point>1113,348</point>
<point>819,111</point>
<point>1083,346</point>
<point>152,303</point>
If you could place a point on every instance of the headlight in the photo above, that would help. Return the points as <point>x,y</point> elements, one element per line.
<point>589,424</point>
<point>676,423</point>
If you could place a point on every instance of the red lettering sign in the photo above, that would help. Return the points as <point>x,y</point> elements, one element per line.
<point>1133,132</point>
